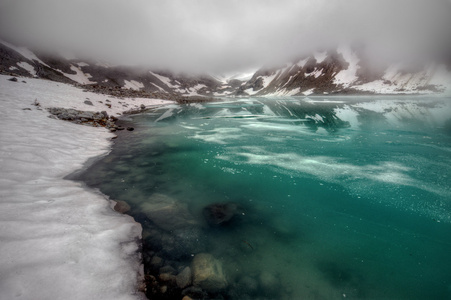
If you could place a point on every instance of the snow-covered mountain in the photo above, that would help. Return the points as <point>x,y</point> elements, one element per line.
<point>119,80</point>
<point>346,71</point>
<point>338,71</point>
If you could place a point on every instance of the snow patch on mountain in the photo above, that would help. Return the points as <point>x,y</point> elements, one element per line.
<point>348,76</point>
<point>26,66</point>
<point>79,77</point>
<point>163,79</point>
<point>133,85</point>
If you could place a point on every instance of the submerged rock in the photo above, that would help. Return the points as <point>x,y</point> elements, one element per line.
<point>122,207</point>
<point>268,283</point>
<point>208,273</point>
<point>183,279</point>
<point>218,214</point>
<point>168,213</point>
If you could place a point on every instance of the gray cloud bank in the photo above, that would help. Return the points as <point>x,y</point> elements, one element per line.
<point>228,35</point>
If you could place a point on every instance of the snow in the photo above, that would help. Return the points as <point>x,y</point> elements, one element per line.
<point>82,64</point>
<point>28,67</point>
<point>348,76</point>
<point>316,118</point>
<point>163,79</point>
<point>308,92</point>
<point>302,62</point>
<point>24,52</point>
<point>133,85</point>
<point>394,82</point>
<point>250,91</point>
<point>59,240</point>
<point>167,114</point>
<point>226,78</point>
<point>80,77</point>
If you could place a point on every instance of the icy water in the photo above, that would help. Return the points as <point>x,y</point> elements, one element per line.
<point>328,198</point>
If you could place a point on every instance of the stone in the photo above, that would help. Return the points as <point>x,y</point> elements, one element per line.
<point>183,279</point>
<point>13,79</point>
<point>187,298</point>
<point>167,269</point>
<point>122,207</point>
<point>88,102</point>
<point>208,273</point>
<point>218,214</point>
<point>105,114</point>
<point>156,262</point>
<point>130,128</point>
<point>195,292</point>
<point>166,277</point>
<point>167,213</point>
<point>268,282</point>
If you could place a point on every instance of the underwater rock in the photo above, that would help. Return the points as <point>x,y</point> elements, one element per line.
<point>208,273</point>
<point>219,214</point>
<point>167,213</point>
<point>167,269</point>
<point>181,243</point>
<point>268,282</point>
<point>165,277</point>
<point>194,292</point>
<point>183,279</point>
<point>156,262</point>
<point>121,207</point>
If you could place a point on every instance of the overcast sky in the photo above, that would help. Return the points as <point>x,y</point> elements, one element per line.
<point>227,35</point>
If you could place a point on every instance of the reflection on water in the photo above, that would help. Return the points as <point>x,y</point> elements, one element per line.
<point>289,198</point>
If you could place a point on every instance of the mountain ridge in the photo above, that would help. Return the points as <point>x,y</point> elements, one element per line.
<point>335,71</point>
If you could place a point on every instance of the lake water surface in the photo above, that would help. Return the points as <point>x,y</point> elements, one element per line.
<point>329,198</point>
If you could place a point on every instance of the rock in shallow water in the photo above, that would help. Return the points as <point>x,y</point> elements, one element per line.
<point>208,273</point>
<point>183,279</point>
<point>218,214</point>
<point>168,213</point>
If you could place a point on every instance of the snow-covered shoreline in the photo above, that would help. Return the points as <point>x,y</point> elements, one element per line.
<point>59,240</point>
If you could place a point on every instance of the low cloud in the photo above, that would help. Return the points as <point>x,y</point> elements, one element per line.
<point>226,36</point>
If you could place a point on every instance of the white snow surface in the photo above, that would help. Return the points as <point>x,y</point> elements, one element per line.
<point>133,85</point>
<point>28,67</point>
<point>80,77</point>
<point>348,76</point>
<point>59,240</point>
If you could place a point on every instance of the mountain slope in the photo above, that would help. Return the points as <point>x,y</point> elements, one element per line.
<point>345,71</point>
<point>119,80</point>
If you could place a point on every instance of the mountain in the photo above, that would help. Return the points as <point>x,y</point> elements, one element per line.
<point>338,71</point>
<point>101,77</point>
<point>346,71</point>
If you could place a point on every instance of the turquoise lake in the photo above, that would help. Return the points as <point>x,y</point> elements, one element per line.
<point>331,197</point>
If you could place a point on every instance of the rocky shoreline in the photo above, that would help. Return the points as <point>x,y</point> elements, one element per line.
<point>167,274</point>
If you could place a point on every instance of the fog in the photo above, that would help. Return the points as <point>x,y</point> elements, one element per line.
<point>227,36</point>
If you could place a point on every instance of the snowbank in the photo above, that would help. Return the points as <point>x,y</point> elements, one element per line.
<point>59,240</point>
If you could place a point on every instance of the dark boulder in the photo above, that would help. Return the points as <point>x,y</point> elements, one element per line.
<point>219,214</point>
